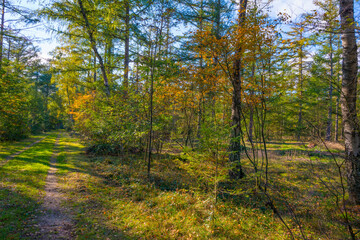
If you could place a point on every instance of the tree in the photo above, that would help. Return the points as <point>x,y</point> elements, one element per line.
<point>25,91</point>
<point>93,44</point>
<point>348,99</point>
<point>2,31</point>
<point>298,46</point>
<point>236,171</point>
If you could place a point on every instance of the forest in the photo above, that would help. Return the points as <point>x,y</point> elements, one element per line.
<point>180,119</point>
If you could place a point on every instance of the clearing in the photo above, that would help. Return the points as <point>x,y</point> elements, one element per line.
<point>53,190</point>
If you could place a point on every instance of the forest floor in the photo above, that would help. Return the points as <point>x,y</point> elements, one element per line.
<point>53,190</point>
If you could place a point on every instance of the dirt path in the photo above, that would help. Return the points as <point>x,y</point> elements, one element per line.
<point>54,221</point>
<point>7,159</point>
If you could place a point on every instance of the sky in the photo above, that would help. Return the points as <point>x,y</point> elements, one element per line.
<point>41,36</point>
<point>46,40</point>
<point>292,7</point>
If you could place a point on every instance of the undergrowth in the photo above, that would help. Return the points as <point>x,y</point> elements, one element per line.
<point>114,199</point>
<point>187,196</point>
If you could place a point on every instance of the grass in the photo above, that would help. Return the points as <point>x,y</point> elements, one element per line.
<point>22,181</point>
<point>111,198</point>
<point>9,148</point>
<point>305,147</point>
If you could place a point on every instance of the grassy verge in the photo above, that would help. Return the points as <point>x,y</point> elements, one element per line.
<point>21,188</point>
<point>8,148</point>
<point>111,198</point>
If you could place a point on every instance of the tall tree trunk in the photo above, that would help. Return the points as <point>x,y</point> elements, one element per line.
<point>127,45</point>
<point>329,120</point>
<point>251,124</point>
<point>217,33</point>
<point>71,119</point>
<point>201,87</point>
<point>301,80</point>
<point>348,99</point>
<point>93,46</point>
<point>236,171</point>
<point>2,31</point>
<point>94,69</point>
<point>108,53</point>
<point>9,49</point>
<point>336,137</point>
<point>251,117</point>
<point>153,55</point>
<point>151,111</point>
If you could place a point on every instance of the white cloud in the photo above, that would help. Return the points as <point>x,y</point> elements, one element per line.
<point>292,7</point>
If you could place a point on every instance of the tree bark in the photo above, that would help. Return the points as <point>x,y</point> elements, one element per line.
<point>236,171</point>
<point>348,99</point>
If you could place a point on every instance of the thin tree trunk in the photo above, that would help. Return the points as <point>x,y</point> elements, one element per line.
<point>94,69</point>
<point>329,120</point>
<point>236,171</point>
<point>2,31</point>
<point>9,49</point>
<point>216,28</point>
<point>200,110</point>
<point>301,92</point>
<point>151,113</point>
<point>251,124</point>
<point>216,60</point>
<point>337,101</point>
<point>151,110</point>
<point>108,53</point>
<point>71,120</point>
<point>127,45</point>
<point>201,100</point>
<point>251,117</point>
<point>336,138</point>
<point>93,46</point>
<point>348,99</point>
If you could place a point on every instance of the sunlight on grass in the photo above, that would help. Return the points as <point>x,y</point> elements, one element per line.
<point>22,181</point>
<point>8,148</point>
<point>111,198</point>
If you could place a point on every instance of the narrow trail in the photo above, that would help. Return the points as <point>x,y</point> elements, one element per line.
<point>54,220</point>
<point>7,159</point>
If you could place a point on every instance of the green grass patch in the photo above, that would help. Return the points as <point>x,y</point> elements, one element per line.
<point>8,148</point>
<point>111,198</point>
<point>304,147</point>
<point>22,182</point>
